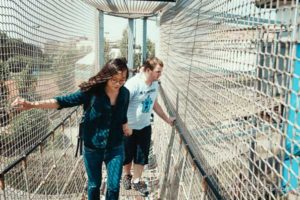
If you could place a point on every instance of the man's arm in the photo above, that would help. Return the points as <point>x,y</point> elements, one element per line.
<point>159,111</point>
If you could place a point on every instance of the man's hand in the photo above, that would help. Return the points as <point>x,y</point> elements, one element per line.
<point>127,131</point>
<point>171,120</point>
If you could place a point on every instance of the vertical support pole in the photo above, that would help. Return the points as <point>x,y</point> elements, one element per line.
<point>192,182</point>
<point>24,167</point>
<point>2,185</point>
<point>291,170</point>
<point>157,45</point>
<point>130,43</point>
<point>182,171</point>
<point>101,40</point>
<point>167,157</point>
<point>144,50</point>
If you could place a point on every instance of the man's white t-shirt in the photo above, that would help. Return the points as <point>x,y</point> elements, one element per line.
<point>142,98</point>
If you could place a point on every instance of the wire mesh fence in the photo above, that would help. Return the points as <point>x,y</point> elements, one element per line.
<point>231,71</point>
<point>46,49</point>
<point>235,66</point>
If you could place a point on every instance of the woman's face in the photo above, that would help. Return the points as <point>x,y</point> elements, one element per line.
<point>117,81</point>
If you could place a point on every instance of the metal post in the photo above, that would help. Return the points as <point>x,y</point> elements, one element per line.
<point>167,156</point>
<point>182,172</point>
<point>2,186</point>
<point>24,167</point>
<point>101,39</point>
<point>192,182</point>
<point>290,170</point>
<point>130,43</point>
<point>144,50</point>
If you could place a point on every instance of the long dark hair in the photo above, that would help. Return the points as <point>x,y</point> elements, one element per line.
<point>111,68</point>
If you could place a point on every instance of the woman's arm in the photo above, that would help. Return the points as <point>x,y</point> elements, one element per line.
<point>127,131</point>
<point>74,99</point>
<point>22,104</point>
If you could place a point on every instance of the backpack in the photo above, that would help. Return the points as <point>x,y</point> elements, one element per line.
<point>80,133</point>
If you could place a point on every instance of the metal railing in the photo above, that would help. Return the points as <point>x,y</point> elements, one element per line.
<point>46,50</point>
<point>235,67</point>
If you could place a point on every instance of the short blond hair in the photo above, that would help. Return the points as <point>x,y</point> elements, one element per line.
<point>152,62</point>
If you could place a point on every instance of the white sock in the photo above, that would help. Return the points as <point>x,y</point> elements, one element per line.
<point>136,180</point>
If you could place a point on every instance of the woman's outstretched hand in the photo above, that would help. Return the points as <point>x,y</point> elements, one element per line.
<point>21,104</point>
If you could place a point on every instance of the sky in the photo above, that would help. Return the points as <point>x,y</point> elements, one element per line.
<point>114,26</point>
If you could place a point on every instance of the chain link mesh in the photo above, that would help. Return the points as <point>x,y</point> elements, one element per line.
<point>234,65</point>
<point>47,48</point>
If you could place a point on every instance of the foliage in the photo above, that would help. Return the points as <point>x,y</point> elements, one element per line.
<point>137,60</point>
<point>4,71</point>
<point>124,44</point>
<point>29,122</point>
<point>150,48</point>
<point>20,61</point>
<point>63,65</point>
<point>27,128</point>
<point>137,56</point>
<point>26,81</point>
<point>3,104</point>
<point>107,50</point>
<point>9,47</point>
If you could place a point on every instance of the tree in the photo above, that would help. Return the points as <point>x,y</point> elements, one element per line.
<point>124,44</point>
<point>107,50</point>
<point>137,60</point>
<point>4,76</point>
<point>137,56</point>
<point>124,49</point>
<point>18,62</point>
<point>150,48</point>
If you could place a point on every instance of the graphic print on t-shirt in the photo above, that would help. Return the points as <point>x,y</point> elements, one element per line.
<point>147,104</point>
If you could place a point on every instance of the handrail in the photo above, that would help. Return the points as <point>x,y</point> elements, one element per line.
<point>24,156</point>
<point>182,130</point>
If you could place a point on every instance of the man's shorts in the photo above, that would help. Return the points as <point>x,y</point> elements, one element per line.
<point>137,146</point>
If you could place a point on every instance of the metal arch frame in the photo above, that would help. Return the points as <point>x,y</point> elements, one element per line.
<point>158,0</point>
<point>131,9</point>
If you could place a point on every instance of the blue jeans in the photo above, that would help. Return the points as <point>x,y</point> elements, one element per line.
<point>93,159</point>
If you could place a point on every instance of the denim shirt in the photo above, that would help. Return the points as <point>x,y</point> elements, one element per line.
<point>102,126</point>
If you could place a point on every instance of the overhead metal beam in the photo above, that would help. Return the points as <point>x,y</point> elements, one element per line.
<point>144,48</point>
<point>158,0</point>
<point>130,43</point>
<point>101,39</point>
<point>131,8</point>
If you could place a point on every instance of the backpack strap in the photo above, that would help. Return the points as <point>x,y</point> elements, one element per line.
<point>80,134</point>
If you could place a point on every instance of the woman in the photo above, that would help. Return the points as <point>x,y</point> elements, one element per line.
<point>105,103</point>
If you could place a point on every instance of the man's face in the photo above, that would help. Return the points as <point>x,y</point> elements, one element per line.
<point>155,73</point>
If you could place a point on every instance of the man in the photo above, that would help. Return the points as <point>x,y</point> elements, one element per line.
<point>143,90</point>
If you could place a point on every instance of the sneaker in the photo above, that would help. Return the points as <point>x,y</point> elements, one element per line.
<point>127,181</point>
<point>141,187</point>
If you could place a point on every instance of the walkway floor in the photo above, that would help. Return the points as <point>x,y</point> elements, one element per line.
<point>150,176</point>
